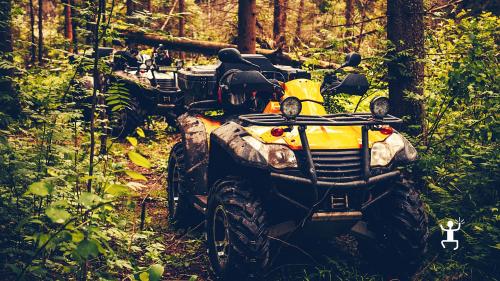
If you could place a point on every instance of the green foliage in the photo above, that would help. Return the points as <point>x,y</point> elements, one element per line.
<point>460,159</point>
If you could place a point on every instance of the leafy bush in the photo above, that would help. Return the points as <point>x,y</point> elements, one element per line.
<point>461,156</point>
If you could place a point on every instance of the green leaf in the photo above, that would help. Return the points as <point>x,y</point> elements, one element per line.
<point>41,188</point>
<point>77,236</point>
<point>140,132</point>
<point>144,276</point>
<point>139,160</point>
<point>155,272</point>
<point>193,278</point>
<point>87,248</point>
<point>88,199</point>
<point>57,215</point>
<point>117,189</point>
<point>132,141</point>
<point>135,175</point>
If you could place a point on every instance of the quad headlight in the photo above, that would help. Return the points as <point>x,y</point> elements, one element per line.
<point>393,147</point>
<point>379,107</point>
<point>278,156</point>
<point>291,107</point>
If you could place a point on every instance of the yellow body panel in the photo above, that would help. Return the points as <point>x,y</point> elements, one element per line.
<point>319,137</point>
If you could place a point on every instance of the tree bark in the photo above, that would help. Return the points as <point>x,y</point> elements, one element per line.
<point>298,30</point>
<point>68,24</point>
<point>94,93</point>
<point>247,17</point>
<point>9,99</point>
<point>74,25</point>
<point>182,20</point>
<point>279,26</point>
<point>182,23</point>
<point>40,32</point>
<point>5,27</point>
<point>211,48</point>
<point>405,29</point>
<point>32,32</point>
<point>130,7</point>
<point>349,15</point>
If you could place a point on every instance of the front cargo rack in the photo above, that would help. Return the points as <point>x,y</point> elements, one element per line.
<point>365,120</point>
<point>340,119</point>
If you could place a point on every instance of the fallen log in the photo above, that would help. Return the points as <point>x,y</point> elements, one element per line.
<point>211,48</point>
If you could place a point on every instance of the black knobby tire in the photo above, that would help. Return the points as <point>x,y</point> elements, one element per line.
<point>245,227</point>
<point>401,227</point>
<point>124,122</point>
<point>180,212</point>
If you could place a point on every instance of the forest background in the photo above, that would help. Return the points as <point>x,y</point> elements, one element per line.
<point>71,197</point>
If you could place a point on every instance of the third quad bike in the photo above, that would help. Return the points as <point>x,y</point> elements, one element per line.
<point>274,163</point>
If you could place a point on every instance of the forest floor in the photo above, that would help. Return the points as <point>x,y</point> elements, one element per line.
<point>184,253</point>
<point>185,256</point>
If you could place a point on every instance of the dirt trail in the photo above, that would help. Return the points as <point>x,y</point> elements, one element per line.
<point>185,255</point>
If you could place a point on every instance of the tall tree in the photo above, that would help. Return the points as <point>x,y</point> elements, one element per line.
<point>349,15</point>
<point>279,26</point>
<point>182,22</point>
<point>130,7</point>
<point>74,24</point>
<point>5,27</point>
<point>32,31</point>
<point>247,19</point>
<point>405,29</point>
<point>68,23</point>
<point>40,32</point>
<point>9,102</point>
<point>298,30</point>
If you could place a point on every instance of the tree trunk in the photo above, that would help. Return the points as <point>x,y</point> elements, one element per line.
<point>182,23</point>
<point>298,30</point>
<point>74,25</point>
<point>68,24</point>
<point>40,32</point>
<point>405,29</point>
<point>349,15</point>
<point>5,27</point>
<point>32,31</point>
<point>9,101</point>
<point>279,27</point>
<point>130,7</point>
<point>211,48</point>
<point>94,93</point>
<point>247,17</point>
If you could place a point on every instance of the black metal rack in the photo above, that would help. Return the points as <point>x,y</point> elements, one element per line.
<point>341,119</point>
<point>365,120</point>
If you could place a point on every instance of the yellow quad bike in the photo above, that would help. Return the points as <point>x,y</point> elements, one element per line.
<point>276,163</point>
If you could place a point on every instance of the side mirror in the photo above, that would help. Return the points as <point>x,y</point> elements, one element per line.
<point>148,63</point>
<point>230,55</point>
<point>179,64</point>
<point>352,59</point>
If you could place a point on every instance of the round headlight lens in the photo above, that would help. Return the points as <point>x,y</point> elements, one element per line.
<point>291,107</point>
<point>379,107</point>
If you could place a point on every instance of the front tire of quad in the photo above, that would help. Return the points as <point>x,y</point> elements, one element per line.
<point>400,225</point>
<point>180,212</point>
<point>237,231</point>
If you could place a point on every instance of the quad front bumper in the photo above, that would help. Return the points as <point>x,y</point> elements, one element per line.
<point>338,185</point>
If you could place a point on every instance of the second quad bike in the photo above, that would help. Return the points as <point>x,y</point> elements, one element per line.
<point>274,162</point>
